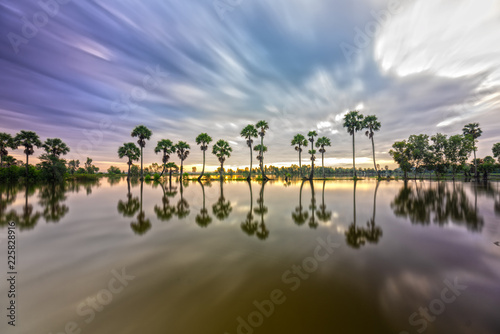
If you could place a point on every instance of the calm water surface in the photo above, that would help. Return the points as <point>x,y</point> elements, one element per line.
<point>321,257</point>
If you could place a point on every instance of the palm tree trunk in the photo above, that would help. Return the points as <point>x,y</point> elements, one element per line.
<point>300,161</point>
<point>250,175</point>
<point>203,170</point>
<point>354,155</point>
<point>221,169</point>
<point>128,174</point>
<point>374,163</point>
<point>311,175</point>
<point>476,174</point>
<point>27,159</point>
<point>262,157</point>
<point>323,163</point>
<point>142,174</point>
<point>182,167</point>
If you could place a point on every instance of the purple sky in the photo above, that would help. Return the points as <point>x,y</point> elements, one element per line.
<point>89,72</point>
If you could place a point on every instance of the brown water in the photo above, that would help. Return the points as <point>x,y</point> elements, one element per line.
<point>334,257</point>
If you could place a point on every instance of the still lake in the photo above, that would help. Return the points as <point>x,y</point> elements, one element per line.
<point>300,257</point>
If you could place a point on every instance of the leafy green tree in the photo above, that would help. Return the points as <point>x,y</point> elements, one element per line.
<point>130,151</point>
<point>112,170</point>
<point>248,133</point>
<point>221,150</point>
<point>166,147</point>
<point>263,126</point>
<point>472,131</point>
<point>457,151</point>
<point>372,125</point>
<point>143,134</point>
<point>6,141</point>
<point>73,165</point>
<point>487,166</point>
<point>401,155</point>
<point>321,143</point>
<point>10,161</point>
<point>182,149</point>
<point>419,148</point>
<point>496,151</point>
<point>299,141</point>
<point>171,168</point>
<point>436,159</point>
<point>203,139</point>
<point>89,167</point>
<point>29,140</point>
<point>353,121</point>
<point>312,151</point>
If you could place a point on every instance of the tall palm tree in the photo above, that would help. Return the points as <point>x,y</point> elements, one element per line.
<point>372,125</point>
<point>143,133</point>
<point>182,149</point>
<point>29,140</point>
<point>353,121</point>
<point>55,147</point>
<point>166,147</point>
<point>6,141</point>
<point>299,140</point>
<point>248,133</point>
<point>473,131</point>
<point>312,151</point>
<point>322,142</point>
<point>263,126</point>
<point>203,139</point>
<point>221,149</point>
<point>130,151</point>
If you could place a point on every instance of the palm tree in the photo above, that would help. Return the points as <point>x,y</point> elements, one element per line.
<point>353,121</point>
<point>130,151</point>
<point>248,133</point>
<point>372,125</point>
<point>322,142</point>
<point>263,126</point>
<point>29,140</point>
<point>166,147</point>
<point>144,134</point>
<point>6,141</point>
<point>203,139</point>
<point>473,131</point>
<point>299,140</point>
<point>312,151</point>
<point>171,167</point>
<point>10,161</point>
<point>182,152</point>
<point>55,147</point>
<point>222,150</point>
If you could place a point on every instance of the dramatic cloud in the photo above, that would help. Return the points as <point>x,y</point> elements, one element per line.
<point>88,72</point>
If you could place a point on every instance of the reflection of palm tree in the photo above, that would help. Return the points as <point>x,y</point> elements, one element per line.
<point>299,216</point>
<point>51,199</point>
<point>249,226</point>
<point>166,211</point>
<point>355,237</point>
<point>142,225</point>
<point>28,220</point>
<point>373,233</point>
<point>323,215</point>
<point>130,207</point>
<point>182,210</point>
<point>222,208</point>
<point>203,219</point>
<point>5,201</point>
<point>262,232</point>
<point>312,220</point>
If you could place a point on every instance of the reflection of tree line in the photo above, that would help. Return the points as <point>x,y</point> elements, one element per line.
<point>51,200</point>
<point>440,205</point>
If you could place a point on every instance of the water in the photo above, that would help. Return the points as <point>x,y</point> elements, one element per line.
<point>321,257</point>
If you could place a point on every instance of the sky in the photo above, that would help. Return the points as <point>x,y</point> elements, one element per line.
<point>88,72</point>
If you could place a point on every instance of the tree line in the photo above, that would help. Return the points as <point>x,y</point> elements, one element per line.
<point>419,153</point>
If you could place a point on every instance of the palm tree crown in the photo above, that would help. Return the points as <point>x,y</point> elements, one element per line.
<point>182,148</point>
<point>143,133</point>
<point>353,121</point>
<point>55,147</point>
<point>6,141</point>
<point>322,142</point>
<point>130,151</point>
<point>248,133</point>
<point>29,140</point>
<point>221,149</point>
<point>372,125</point>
